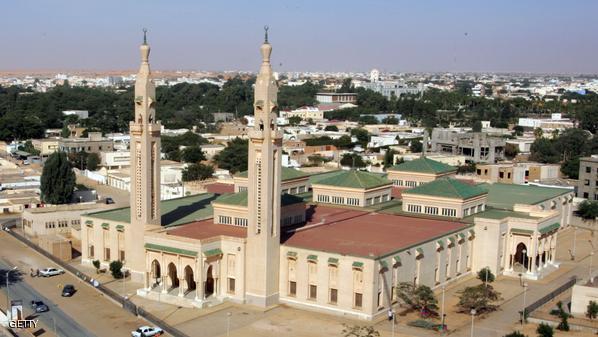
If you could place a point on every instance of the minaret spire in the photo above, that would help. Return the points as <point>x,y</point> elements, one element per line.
<point>266,33</point>
<point>144,35</point>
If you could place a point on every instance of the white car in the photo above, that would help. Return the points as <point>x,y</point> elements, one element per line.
<point>47,272</point>
<point>147,331</point>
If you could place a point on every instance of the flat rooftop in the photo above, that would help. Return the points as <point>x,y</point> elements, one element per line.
<point>365,234</point>
<point>174,211</point>
<point>206,229</point>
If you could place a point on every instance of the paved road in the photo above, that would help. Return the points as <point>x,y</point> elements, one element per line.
<point>55,319</point>
<point>89,308</point>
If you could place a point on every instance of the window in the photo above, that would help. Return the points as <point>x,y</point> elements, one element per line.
<point>323,198</point>
<point>292,288</point>
<point>501,175</point>
<point>243,188</point>
<point>121,255</point>
<point>588,169</point>
<point>357,300</point>
<point>585,195</point>
<point>338,200</point>
<point>285,191</point>
<point>231,285</point>
<point>431,210</point>
<point>449,212</point>
<point>414,208</point>
<point>301,189</point>
<point>586,182</point>
<point>226,220</point>
<point>293,190</point>
<point>368,201</point>
<point>241,222</point>
<point>106,254</point>
<point>90,251</point>
<point>333,295</point>
<point>353,201</point>
<point>313,292</point>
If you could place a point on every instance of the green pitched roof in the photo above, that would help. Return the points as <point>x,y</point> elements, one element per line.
<point>174,211</point>
<point>504,196</point>
<point>168,249</point>
<point>287,173</point>
<point>423,165</point>
<point>447,188</point>
<point>241,199</point>
<point>355,179</point>
<point>499,214</point>
<point>549,228</point>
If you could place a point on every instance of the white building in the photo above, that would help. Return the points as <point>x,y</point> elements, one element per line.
<point>82,114</point>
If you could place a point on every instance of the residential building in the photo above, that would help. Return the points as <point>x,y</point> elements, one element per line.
<point>587,186</point>
<point>478,147</point>
<point>94,143</point>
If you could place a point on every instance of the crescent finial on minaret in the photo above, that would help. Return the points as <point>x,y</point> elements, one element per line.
<point>144,35</point>
<point>266,33</point>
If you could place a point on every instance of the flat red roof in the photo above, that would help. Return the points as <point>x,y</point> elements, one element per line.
<point>360,233</point>
<point>220,188</point>
<point>206,229</point>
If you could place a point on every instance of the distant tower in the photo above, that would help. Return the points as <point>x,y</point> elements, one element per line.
<point>145,163</point>
<point>374,75</point>
<point>264,166</point>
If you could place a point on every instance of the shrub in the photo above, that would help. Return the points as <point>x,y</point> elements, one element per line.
<point>115,269</point>
<point>545,330</point>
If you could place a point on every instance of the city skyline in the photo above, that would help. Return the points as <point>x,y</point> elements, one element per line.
<point>310,36</point>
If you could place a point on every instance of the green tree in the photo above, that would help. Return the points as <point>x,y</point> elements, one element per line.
<point>346,86</point>
<point>353,160</point>
<point>543,150</point>
<point>545,330</point>
<point>78,159</point>
<point>331,128</point>
<point>197,171</point>
<point>573,143</point>
<point>359,331</point>
<point>515,334</point>
<point>538,133</point>
<point>57,180</point>
<point>588,210</point>
<point>192,154</point>
<point>419,298</point>
<point>482,298</point>
<point>592,310</point>
<point>570,168</point>
<point>518,130</point>
<point>485,275</point>
<point>344,142</point>
<point>511,150</point>
<point>93,161</point>
<point>96,264</point>
<point>477,126</point>
<point>234,156</point>
<point>294,120</point>
<point>29,148</point>
<point>391,120</point>
<point>116,269</point>
<point>564,316</point>
<point>416,146</point>
<point>389,157</point>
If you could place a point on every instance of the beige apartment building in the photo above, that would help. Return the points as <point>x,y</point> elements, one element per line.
<point>517,173</point>
<point>587,186</point>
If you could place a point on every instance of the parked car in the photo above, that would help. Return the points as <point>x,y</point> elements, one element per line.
<point>47,272</point>
<point>39,306</point>
<point>147,331</point>
<point>109,201</point>
<point>68,290</point>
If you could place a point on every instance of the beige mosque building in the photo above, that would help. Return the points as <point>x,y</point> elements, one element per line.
<point>336,242</point>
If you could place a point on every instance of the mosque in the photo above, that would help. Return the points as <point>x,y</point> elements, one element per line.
<point>336,242</point>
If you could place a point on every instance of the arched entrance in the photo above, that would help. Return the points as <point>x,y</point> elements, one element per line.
<point>172,275</point>
<point>156,272</point>
<point>189,278</point>
<point>209,288</point>
<point>521,255</point>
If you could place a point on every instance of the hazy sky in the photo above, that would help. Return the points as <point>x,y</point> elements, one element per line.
<point>317,35</point>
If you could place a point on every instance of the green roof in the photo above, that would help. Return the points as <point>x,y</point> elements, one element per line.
<point>358,264</point>
<point>419,251</point>
<point>312,257</point>
<point>504,196</point>
<point>397,259</point>
<point>105,225</point>
<point>355,179</point>
<point>287,173</point>
<point>120,228</point>
<point>333,261</point>
<point>549,228</point>
<point>241,199</point>
<point>447,188</point>
<point>499,214</point>
<point>440,243</point>
<point>167,249</point>
<point>522,231</point>
<point>423,165</point>
<point>383,264</point>
<point>291,254</point>
<point>213,252</point>
<point>174,211</point>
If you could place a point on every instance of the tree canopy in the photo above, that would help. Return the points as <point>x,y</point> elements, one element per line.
<point>57,180</point>
<point>234,156</point>
<point>197,171</point>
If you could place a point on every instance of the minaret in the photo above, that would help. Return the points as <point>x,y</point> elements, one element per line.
<point>264,166</point>
<point>145,164</point>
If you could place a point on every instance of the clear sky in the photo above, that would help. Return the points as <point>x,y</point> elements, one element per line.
<point>311,35</point>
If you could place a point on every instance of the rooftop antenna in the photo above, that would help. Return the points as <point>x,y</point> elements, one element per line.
<point>144,35</point>
<point>266,33</point>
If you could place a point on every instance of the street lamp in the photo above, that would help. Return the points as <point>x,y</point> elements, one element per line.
<point>591,260</point>
<point>442,315</point>
<point>8,291</point>
<point>574,241</point>
<point>523,310</point>
<point>472,312</point>
<point>523,257</point>
<point>124,272</point>
<point>228,315</point>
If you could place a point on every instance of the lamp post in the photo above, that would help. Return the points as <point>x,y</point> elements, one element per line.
<point>523,309</point>
<point>442,310</point>
<point>124,272</point>
<point>472,312</point>
<point>523,258</point>
<point>228,315</point>
<point>54,324</point>
<point>591,260</point>
<point>8,291</point>
<point>574,241</point>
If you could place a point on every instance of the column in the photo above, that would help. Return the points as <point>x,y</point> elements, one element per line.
<point>181,286</point>
<point>199,288</point>
<point>163,281</point>
<point>510,266</point>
